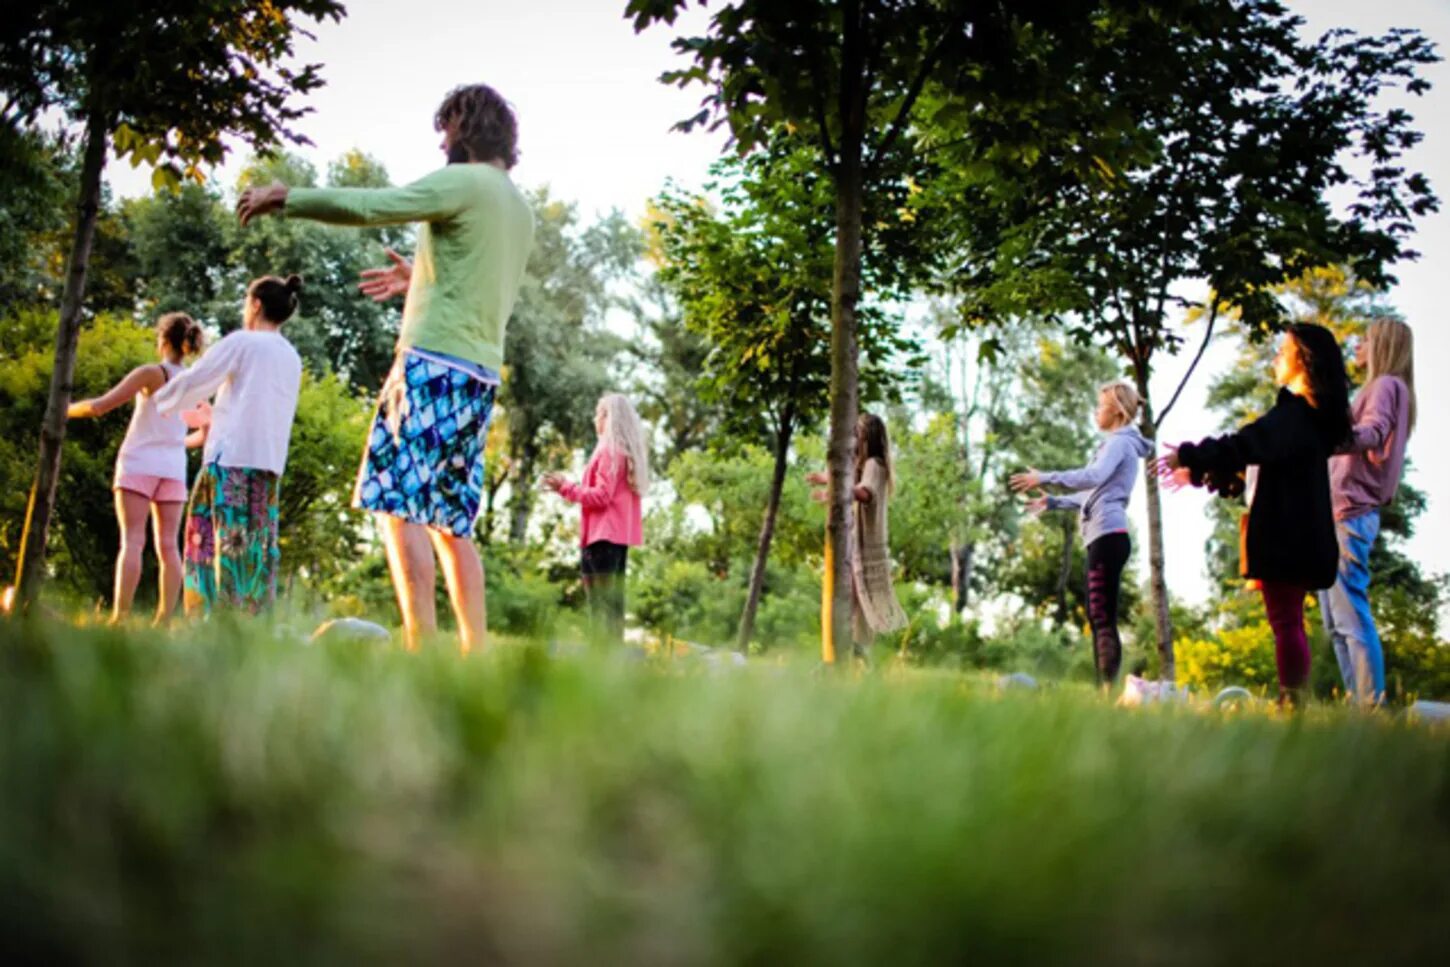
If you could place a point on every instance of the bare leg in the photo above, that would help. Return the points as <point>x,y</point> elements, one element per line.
<point>165,519</point>
<point>410,560</point>
<point>463,572</point>
<point>131,511</point>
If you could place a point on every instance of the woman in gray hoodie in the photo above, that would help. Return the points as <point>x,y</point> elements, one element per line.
<point>1100,492</point>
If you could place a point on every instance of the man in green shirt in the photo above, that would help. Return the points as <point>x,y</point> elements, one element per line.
<point>423,469</point>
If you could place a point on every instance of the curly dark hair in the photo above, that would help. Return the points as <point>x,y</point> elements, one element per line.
<point>180,332</point>
<point>481,122</point>
<point>1323,360</point>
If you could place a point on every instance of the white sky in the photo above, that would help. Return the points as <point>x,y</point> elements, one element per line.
<point>595,125</point>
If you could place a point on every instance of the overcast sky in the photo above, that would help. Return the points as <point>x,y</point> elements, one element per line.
<point>595,126</point>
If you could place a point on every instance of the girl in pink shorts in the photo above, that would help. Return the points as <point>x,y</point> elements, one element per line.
<point>150,466</point>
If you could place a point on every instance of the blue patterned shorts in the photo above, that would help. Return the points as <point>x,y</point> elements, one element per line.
<point>425,455</point>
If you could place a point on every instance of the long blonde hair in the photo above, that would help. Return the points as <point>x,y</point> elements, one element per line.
<point>1392,353</point>
<point>624,434</point>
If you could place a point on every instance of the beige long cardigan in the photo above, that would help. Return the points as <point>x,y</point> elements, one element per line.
<point>876,609</point>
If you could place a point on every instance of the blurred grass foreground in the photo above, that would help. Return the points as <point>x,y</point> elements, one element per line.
<point>216,796</point>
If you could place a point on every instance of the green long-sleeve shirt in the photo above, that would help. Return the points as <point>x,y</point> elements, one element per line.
<point>472,249</point>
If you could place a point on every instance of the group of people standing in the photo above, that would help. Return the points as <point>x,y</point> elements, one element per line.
<point>1313,472</point>
<point>422,470</point>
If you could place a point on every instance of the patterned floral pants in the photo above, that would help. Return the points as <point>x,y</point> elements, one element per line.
<point>231,540</point>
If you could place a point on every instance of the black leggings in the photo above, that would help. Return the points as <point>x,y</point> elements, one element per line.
<point>602,565</point>
<point>1106,557</point>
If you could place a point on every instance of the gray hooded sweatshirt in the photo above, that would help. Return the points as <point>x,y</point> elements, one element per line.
<point>1103,486</point>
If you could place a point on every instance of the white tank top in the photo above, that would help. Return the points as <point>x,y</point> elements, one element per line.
<point>155,445</point>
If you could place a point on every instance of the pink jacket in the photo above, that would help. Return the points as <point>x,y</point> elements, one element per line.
<point>609,508</point>
<point>1366,473</point>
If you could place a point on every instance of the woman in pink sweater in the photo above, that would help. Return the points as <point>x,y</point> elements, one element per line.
<point>609,502</point>
<point>1363,477</point>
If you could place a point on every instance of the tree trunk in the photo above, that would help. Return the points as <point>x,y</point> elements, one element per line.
<point>521,504</point>
<point>845,293</point>
<point>1157,582</point>
<point>962,556</point>
<point>767,531</point>
<point>1064,570</point>
<point>52,430</point>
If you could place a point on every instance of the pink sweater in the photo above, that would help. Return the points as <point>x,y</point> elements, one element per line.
<point>609,508</point>
<point>1365,474</point>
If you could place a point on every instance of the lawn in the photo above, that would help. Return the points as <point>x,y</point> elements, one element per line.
<point>223,795</point>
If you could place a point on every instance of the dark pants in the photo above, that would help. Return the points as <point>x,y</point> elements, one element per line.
<point>602,566</point>
<point>1284,605</point>
<point>1106,558</point>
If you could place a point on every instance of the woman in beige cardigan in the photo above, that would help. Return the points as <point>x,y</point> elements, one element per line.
<point>874,608</point>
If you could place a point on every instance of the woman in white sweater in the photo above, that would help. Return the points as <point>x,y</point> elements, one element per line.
<point>150,466</point>
<point>231,522</point>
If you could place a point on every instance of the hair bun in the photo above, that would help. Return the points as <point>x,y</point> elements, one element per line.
<point>294,284</point>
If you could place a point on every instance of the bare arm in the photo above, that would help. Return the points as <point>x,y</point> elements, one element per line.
<point>141,379</point>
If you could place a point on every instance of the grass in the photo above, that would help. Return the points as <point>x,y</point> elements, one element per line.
<point>233,796</point>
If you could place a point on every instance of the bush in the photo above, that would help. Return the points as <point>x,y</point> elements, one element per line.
<point>521,598</point>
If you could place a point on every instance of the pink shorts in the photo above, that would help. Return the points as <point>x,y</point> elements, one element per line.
<point>158,490</point>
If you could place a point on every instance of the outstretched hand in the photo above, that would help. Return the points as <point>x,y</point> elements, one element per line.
<point>1025,481</point>
<point>1165,466</point>
<point>1037,506</point>
<point>818,477</point>
<point>261,200</point>
<point>552,481</point>
<point>1177,480</point>
<point>382,284</point>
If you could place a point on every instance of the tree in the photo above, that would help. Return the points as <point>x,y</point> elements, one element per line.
<point>163,81</point>
<point>667,357</point>
<point>183,250</point>
<point>1228,133</point>
<point>338,329</point>
<point>754,281</point>
<point>557,350</point>
<point>853,76</point>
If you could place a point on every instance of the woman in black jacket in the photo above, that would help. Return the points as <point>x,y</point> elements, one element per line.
<point>1280,463</point>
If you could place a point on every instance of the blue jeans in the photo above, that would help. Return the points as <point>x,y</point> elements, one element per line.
<point>1346,612</point>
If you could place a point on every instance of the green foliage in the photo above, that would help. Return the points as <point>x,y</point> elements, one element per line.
<point>558,352</point>
<point>320,532</point>
<point>183,247</point>
<point>215,795</point>
<point>85,536</point>
<point>170,79</point>
<point>933,507</point>
<point>753,279</point>
<point>337,327</point>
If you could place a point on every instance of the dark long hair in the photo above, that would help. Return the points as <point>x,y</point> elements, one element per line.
<point>277,296</point>
<point>1323,361</point>
<point>872,442</point>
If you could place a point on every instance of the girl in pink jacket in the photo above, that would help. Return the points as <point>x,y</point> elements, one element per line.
<point>609,502</point>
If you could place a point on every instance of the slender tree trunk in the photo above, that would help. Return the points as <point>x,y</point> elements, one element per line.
<point>963,556</point>
<point>1157,582</point>
<point>521,504</point>
<point>845,293</point>
<point>1064,570</point>
<point>767,531</point>
<point>52,430</point>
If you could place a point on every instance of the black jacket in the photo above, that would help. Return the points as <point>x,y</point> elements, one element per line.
<point>1290,533</point>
